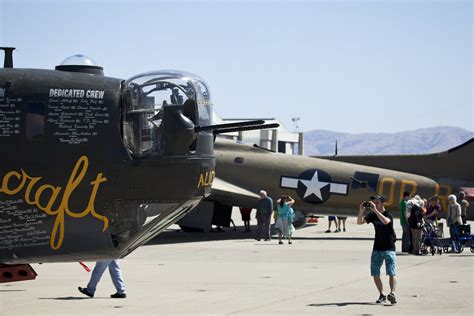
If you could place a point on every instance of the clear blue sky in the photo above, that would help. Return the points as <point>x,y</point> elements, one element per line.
<point>347,66</point>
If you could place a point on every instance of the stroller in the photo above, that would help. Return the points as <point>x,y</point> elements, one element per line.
<point>430,240</point>
<point>465,237</point>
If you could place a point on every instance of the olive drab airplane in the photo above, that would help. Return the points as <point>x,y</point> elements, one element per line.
<point>92,166</point>
<point>327,186</point>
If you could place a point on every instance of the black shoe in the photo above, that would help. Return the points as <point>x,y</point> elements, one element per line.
<point>257,239</point>
<point>85,291</point>
<point>280,242</point>
<point>118,295</point>
<point>391,297</point>
<point>328,231</point>
<point>382,298</point>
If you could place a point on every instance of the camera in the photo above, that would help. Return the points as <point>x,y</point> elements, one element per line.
<point>366,204</point>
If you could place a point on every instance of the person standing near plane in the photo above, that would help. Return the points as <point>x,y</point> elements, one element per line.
<point>404,223</point>
<point>330,220</point>
<point>433,210</point>
<point>341,222</point>
<point>115,274</point>
<point>264,215</point>
<point>384,244</point>
<point>285,218</point>
<point>464,205</point>
<point>245,212</point>
<point>414,214</point>
<point>453,217</point>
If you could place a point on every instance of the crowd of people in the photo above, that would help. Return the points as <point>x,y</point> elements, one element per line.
<point>416,211</point>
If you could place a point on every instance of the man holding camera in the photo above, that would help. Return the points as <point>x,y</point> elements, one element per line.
<point>384,243</point>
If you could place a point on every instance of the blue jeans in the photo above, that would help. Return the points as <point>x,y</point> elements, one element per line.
<point>115,274</point>
<point>454,233</point>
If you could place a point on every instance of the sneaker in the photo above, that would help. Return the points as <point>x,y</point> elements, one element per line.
<point>391,297</point>
<point>118,295</point>
<point>289,242</point>
<point>328,231</point>
<point>84,291</point>
<point>344,230</point>
<point>337,231</point>
<point>280,242</point>
<point>382,298</point>
<point>257,239</point>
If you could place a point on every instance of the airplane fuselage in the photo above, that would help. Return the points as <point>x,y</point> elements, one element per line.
<point>318,185</point>
<point>84,173</point>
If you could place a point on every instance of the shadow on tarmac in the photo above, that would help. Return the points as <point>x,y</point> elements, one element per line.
<point>177,236</point>
<point>65,298</point>
<point>75,298</point>
<point>341,304</point>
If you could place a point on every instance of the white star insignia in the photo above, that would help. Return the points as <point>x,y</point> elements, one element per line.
<point>314,186</point>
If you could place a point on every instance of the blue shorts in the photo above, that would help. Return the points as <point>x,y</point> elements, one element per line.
<point>377,259</point>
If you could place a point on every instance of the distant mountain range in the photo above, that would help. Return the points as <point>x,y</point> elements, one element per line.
<point>419,141</point>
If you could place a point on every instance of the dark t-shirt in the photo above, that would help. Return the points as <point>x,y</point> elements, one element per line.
<point>384,234</point>
<point>265,207</point>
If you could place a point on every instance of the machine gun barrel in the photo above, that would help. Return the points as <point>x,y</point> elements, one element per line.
<point>245,128</point>
<point>228,125</point>
<point>235,127</point>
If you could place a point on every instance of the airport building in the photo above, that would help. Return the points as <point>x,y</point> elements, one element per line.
<point>277,139</point>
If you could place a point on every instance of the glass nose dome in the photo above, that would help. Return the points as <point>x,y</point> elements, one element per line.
<point>79,60</point>
<point>80,63</point>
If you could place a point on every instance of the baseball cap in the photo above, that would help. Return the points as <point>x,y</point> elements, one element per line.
<point>379,197</point>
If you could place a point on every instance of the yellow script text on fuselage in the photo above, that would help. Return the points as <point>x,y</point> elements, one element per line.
<point>32,196</point>
<point>206,178</point>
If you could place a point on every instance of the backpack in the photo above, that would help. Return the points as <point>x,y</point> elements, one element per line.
<point>416,217</point>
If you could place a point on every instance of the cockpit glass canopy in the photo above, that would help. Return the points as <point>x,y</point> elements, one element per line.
<point>144,96</point>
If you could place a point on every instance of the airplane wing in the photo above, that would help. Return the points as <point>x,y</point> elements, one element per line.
<point>230,194</point>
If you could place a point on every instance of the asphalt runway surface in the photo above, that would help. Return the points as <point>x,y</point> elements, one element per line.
<point>230,273</point>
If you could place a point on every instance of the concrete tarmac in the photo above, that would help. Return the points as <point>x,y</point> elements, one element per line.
<point>230,273</point>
